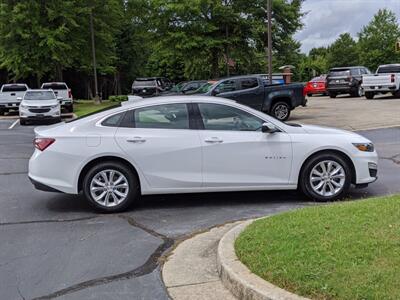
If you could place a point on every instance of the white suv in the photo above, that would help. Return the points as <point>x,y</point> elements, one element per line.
<point>39,105</point>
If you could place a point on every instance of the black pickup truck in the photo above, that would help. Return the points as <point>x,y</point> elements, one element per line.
<point>277,100</point>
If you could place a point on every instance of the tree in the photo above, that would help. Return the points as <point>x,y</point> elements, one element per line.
<point>46,37</point>
<point>343,52</point>
<point>377,40</point>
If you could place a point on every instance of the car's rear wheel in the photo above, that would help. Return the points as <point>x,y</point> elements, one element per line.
<point>22,122</point>
<point>369,95</point>
<point>110,187</point>
<point>332,95</point>
<point>281,111</point>
<point>309,95</point>
<point>325,177</point>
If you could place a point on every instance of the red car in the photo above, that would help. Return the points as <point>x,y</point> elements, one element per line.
<point>316,86</point>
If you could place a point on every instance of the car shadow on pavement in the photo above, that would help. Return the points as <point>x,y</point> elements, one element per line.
<point>62,203</point>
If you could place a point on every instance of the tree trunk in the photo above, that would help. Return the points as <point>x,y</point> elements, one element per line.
<point>215,63</point>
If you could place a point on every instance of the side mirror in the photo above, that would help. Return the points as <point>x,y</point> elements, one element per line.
<point>19,98</point>
<point>269,128</point>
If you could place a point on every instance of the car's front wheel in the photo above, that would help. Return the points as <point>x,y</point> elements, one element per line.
<point>110,187</point>
<point>325,177</point>
<point>281,111</point>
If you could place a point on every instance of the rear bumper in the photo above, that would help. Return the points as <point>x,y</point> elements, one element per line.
<point>42,187</point>
<point>379,88</point>
<point>9,105</point>
<point>340,89</point>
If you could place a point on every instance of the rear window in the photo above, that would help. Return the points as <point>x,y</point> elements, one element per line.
<point>55,86</point>
<point>14,88</point>
<point>40,95</point>
<point>389,69</point>
<point>320,78</point>
<point>144,83</point>
<point>339,72</point>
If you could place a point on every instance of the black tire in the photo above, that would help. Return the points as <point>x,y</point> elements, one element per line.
<point>309,95</point>
<point>132,181</point>
<point>22,122</point>
<point>70,109</point>
<point>396,94</point>
<point>281,111</point>
<point>358,92</point>
<point>332,95</point>
<point>2,112</point>
<point>369,95</point>
<point>305,182</point>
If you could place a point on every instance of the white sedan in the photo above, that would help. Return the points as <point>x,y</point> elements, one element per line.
<point>190,144</point>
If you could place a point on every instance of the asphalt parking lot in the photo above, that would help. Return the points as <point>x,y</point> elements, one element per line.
<point>55,246</point>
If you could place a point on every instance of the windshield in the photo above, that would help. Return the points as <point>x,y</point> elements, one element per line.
<point>54,86</point>
<point>42,95</point>
<point>344,72</point>
<point>204,88</point>
<point>178,87</point>
<point>144,83</point>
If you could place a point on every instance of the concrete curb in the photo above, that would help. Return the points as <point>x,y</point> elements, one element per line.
<point>238,279</point>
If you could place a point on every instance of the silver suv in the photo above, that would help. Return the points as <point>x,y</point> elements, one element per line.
<point>39,105</point>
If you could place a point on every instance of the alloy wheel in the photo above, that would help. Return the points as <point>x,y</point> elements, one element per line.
<point>281,112</point>
<point>109,188</point>
<point>327,178</point>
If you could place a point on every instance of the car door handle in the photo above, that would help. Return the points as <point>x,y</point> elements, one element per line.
<point>213,140</point>
<point>136,140</point>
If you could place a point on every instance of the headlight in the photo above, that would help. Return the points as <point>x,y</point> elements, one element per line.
<point>23,106</point>
<point>55,106</point>
<point>365,147</point>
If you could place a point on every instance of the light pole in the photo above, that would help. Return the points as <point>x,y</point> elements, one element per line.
<point>96,89</point>
<point>269,16</point>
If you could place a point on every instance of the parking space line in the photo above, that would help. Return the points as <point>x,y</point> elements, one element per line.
<point>13,124</point>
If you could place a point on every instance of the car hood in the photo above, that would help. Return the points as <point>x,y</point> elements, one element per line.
<point>39,102</point>
<point>313,129</point>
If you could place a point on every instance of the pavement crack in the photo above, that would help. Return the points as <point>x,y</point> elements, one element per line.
<point>395,158</point>
<point>13,173</point>
<point>148,267</point>
<point>48,221</point>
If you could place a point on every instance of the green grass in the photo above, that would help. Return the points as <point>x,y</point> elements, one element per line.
<point>348,250</point>
<point>84,107</point>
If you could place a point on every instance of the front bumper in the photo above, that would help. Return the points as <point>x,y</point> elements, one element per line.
<point>30,113</point>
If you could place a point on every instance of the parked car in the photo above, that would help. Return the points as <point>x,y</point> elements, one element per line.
<point>10,95</point>
<point>150,86</point>
<point>62,91</point>
<point>315,86</point>
<point>39,105</point>
<point>185,87</point>
<point>346,80</point>
<point>191,144</point>
<point>385,80</point>
<point>277,100</point>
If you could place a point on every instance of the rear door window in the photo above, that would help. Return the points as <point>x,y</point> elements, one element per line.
<point>248,83</point>
<point>164,116</point>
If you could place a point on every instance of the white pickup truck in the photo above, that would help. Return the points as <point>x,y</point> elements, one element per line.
<point>61,90</point>
<point>385,80</point>
<point>11,95</point>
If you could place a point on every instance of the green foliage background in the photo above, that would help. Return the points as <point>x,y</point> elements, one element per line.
<point>181,39</point>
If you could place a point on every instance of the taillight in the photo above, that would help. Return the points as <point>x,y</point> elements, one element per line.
<point>392,78</point>
<point>69,94</point>
<point>42,143</point>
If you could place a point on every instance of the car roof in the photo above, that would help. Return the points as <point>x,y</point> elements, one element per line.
<point>14,84</point>
<point>54,82</point>
<point>341,68</point>
<point>40,90</point>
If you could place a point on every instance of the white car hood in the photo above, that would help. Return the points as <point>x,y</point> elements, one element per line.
<point>313,129</point>
<point>39,102</point>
